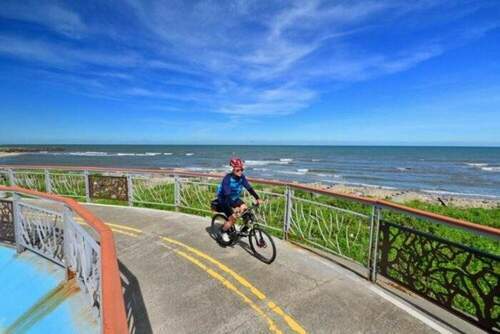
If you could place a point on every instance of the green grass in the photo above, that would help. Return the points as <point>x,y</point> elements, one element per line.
<point>69,184</point>
<point>146,194</point>
<point>4,179</point>
<point>483,216</point>
<point>30,179</point>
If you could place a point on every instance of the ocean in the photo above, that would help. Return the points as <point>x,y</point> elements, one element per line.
<point>471,171</point>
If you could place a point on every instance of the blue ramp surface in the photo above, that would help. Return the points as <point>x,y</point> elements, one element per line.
<point>37,299</point>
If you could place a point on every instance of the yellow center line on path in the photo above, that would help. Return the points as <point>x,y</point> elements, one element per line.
<point>221,266</point>
<point>123,227</point>
<point>291,322</point>
<point>230,286</point>
<point>125,232</point>
<point>133,232</point>
<point>272,326</point>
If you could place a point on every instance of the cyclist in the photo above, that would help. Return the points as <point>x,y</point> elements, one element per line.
<point>228,195</point>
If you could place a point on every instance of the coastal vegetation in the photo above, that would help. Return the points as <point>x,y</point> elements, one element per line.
<point>483,216</point>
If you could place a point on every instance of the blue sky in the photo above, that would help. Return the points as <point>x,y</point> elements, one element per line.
<point>248,72</point>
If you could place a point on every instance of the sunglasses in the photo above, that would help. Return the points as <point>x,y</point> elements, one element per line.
<point>237,170</point>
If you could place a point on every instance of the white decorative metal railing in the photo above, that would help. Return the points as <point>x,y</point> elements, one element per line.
<point>344,232</point>
<point>151,191</point>
<point>29,179</point>
<point>40,230</point>
<point>83,257</point>
<point>416,249</point>
<point>66,184</point>
<point>57,237</point>
<point>46,225</point>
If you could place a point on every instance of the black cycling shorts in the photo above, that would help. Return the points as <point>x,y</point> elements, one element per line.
<point>228,209</point>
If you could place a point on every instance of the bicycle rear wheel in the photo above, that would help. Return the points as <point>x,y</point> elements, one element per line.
<point>262,245</point>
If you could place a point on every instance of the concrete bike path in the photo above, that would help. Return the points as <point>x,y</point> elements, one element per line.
<point>177,279</point>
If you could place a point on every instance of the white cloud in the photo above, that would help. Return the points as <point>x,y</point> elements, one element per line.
<point>62,56</point>
<point>351,67</point>
<point>164,94</point>
<point>174,67</point>
<point>278,101</point>
<point>218,39</point>
<point>49,14</point>
<point>114,75</point>
<point>238,58</point>
<point>29,50</point>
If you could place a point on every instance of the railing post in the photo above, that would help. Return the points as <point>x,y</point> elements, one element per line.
<point>48,183</point>
<point>288,212</point>
<point>375,227</point>
<point>87,187</point>
<point>130,190</point>
<point>12,177</point>
<point>67,218</point>
<point>17,223</point>
<point>370,242</point>
<point>177,192</point>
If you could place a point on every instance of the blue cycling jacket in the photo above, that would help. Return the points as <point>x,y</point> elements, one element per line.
<point>231,188</point>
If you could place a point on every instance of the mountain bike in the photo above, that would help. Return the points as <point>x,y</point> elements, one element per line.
<point>260,241</point>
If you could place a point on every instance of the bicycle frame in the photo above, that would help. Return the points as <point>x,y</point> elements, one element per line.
<point>249,220</point>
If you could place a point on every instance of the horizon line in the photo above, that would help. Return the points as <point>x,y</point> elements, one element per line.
<point>265,144</point>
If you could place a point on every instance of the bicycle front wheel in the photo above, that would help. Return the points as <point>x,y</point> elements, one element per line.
<point>262,245</point>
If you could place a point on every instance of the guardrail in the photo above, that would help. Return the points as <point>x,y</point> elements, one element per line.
<point>451,262</point>
<point>28,220</point>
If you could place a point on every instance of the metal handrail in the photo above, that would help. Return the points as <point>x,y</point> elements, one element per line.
<point>474,227</point>
<point>114,320</point>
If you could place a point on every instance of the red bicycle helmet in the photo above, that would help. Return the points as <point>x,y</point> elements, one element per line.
<point>236,163</point>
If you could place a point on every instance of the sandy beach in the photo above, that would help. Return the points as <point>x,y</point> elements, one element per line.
<point>9,154</point>
<point>404,196</point>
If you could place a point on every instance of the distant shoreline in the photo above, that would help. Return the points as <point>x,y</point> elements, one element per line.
<point>29,149</point>
<point>9,151</point>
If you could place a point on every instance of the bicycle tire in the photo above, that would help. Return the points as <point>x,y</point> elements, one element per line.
<point>255,235</point>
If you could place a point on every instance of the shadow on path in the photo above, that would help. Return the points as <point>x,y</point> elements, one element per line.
<point>240,242</point>
<point>137,315</point>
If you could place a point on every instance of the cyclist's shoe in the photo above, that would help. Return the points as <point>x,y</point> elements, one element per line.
<point>224,236</point>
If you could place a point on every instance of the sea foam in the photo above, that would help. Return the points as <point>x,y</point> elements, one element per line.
<point>476,164</point>
<point>491,169</point>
